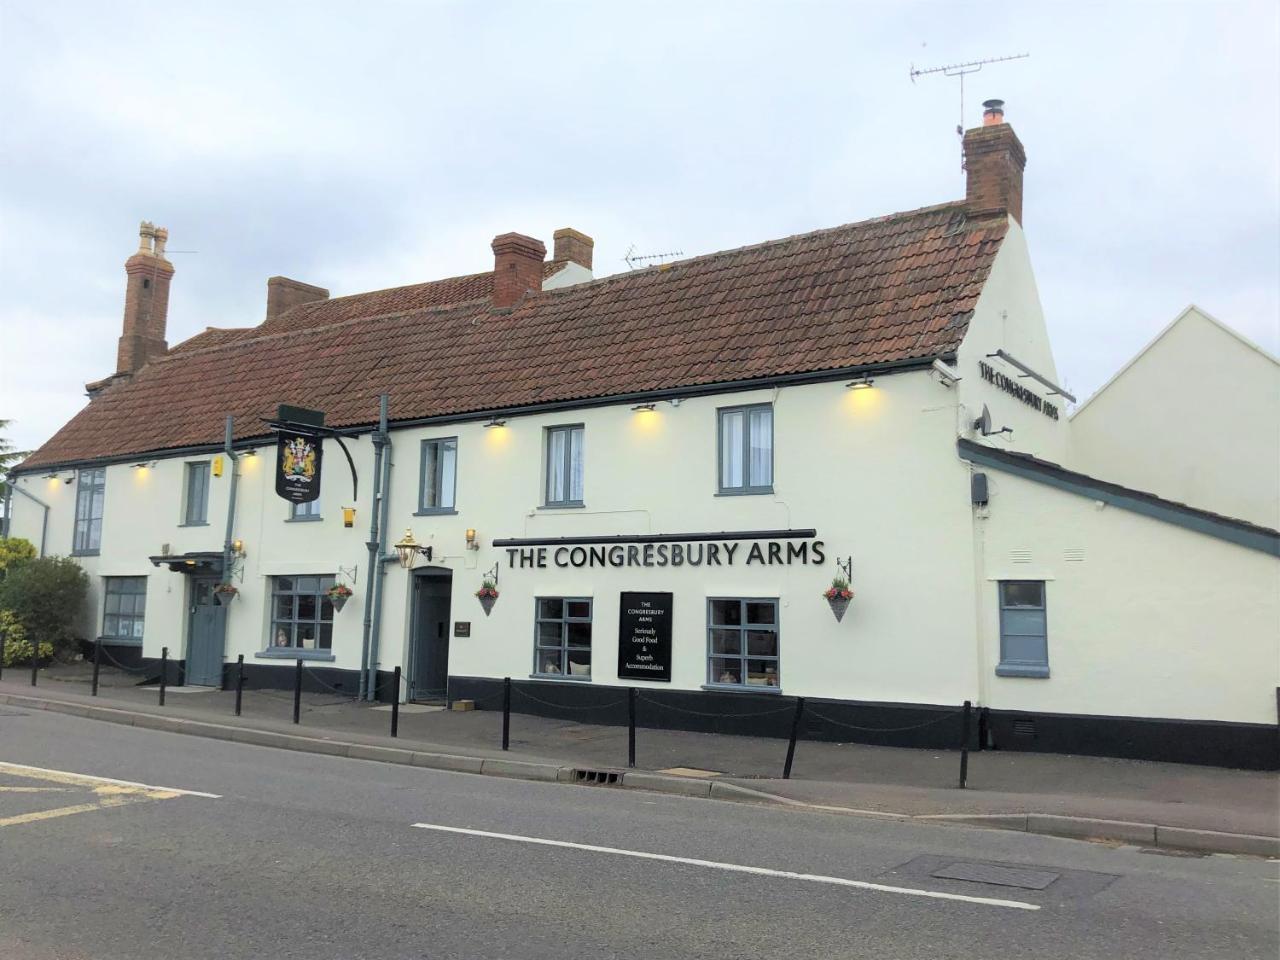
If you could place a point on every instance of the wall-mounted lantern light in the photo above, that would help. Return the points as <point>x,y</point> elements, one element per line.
<point>472,544</point>
<point>644,406</point>
<point>862,383</point>
<point>237,547</point>
<point>495,422</point>
<point>408,550</point>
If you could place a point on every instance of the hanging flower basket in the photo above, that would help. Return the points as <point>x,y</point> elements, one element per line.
<point>225,592</point>
<point>838,596</point>
<point>338,595</point>
<point>488,595</point>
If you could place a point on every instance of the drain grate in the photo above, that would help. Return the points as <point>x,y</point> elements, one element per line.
<point>1022,878</point>
<point>601,778</point>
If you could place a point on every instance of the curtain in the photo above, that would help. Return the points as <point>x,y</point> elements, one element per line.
<point>761,447</point>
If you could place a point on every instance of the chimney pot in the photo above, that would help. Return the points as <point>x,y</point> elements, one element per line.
<point>517,267</point>
<point>146,301</point>
<point>992,113</point>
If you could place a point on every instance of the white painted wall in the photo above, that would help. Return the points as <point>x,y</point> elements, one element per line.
<point>1155,621</point>
<point>1195,417</point>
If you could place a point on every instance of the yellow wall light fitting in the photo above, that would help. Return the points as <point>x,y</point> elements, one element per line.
<point>237,547</point>
<point>472,543</point>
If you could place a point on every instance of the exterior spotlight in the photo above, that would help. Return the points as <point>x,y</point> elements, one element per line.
<point>408,549</point>
<point>862,383</point>
<point>251,452</point>
<point>237,546</point>
<point>471,539</point>
<point>495,422</point>
<point>139,466</point>
<point>51,475</point>
<point>69,479</point>
<point>644,406</point>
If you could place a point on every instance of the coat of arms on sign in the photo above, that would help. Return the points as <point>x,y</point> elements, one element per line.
<point>299,458</point>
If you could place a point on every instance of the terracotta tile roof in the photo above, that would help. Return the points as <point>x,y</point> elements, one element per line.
<point>212,337</point>
<point>897,288</point>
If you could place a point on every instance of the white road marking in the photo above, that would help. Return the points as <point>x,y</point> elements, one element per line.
<point>64,776</point>
<point>736,867</point>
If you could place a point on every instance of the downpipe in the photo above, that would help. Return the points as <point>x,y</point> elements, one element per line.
<point>381,572</point>
<point>8,507</point>
<point>374,544</point>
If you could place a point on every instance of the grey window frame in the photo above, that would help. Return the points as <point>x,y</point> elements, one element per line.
<point>111,587</point>
<point>425,509</point>
<point>566,465</point>
<point>308,512</point>
<point>564,648</point>
<point>713,681</point>
<point>323,605</point>
<point>1009,667</point>
<point>198,517</point>
<point>747,488</point>
<point>83,529</point>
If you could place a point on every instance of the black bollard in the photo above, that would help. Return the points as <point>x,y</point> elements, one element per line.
<point>395,704</point>
<point>506,712</point>
<point>239,681</point>
<point>964,745</point>
<point>97,659</point>
<point>795,732</point>
<point>297,692</point>
<point>631,727</point>
<point>164,671</point>
<point>35,660</point>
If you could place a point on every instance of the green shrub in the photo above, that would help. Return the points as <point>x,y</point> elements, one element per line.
<point>17,651</point>
<point>14,551</point>
<point>47,596</point>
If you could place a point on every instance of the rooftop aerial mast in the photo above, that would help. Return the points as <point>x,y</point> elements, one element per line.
<point>962,70</point>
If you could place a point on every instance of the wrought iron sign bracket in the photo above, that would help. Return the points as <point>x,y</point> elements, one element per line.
<point>845,566</point>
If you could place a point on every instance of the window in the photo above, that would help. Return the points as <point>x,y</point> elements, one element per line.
<point>305,511</point>
<point>123,608</point>
<point>742,643</point>
<point>91,492</point>
<point>197,510</point>
<point>562,637</point>
<point>301,614</point>
<point>564,466</point>
<point>439,475</point>
<point>746,449</point>
<point>1024,645</point>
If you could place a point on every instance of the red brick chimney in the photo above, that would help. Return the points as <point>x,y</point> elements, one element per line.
<point>994,161</point>
<point>146,301</point>
<point>517,267</point>
<point>573,245</point>
<point>284,294</point>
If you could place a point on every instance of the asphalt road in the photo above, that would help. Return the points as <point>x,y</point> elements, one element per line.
<point>314,857</point>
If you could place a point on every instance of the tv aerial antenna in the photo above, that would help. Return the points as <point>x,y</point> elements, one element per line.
<point>962,70</point>
<point>632,258</point>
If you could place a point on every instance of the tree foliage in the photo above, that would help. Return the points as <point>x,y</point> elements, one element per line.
<point>17,649</point>
<point>9,455</point>
<point>14,551</point>
<point>47,596</point>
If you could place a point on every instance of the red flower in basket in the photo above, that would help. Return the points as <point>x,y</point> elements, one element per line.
<point>488,594</point>
<point>838,596</point>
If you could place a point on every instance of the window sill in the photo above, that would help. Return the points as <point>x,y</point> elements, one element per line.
<point>746,492</point>
<point>85,553</point>
<point>436,512</point>
<point>1022,670</point>
<point>559,676</point>
<point>291,653</point>
<point>121,641</point>
<point>303,519</point>
<point>202,523</point>
<point>741,688</point>
<point>567,505</point>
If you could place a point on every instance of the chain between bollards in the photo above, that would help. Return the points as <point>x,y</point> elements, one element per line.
<point>795,732</point>
<point>964,745</point>
<point>297,692</point>
<point>164,671</point>
<point>631,727</point>
<point>506,713</point>
<point>97,661</point>
<point>239,681</point>
<point>395,704</point>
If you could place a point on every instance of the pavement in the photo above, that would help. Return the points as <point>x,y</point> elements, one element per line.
<point>1174,805</point>
<point>205,848</point>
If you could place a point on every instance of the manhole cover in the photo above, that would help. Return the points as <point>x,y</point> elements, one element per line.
<point>999,876</point>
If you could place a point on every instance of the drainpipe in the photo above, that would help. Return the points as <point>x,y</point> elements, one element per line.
<point>8,508</point>
<point>44,522</point>
<point>377,539</point>
<point>231,506</point>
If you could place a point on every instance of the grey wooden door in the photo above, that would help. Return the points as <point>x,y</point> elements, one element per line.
<point>204,634</point>
<point>429,676</point>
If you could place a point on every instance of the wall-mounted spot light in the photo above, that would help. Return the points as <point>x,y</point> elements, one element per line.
<point>862,383</point>
<point>408,549</point>
<point>674,401</point>
<point>139,466</point>
<point>644,406</point>
<point>472,544</point>
<point>495,422</point>
<point>237,547</point>
<point>69,478</point>
<point>251,452</point>
<point>190,563</point>
<point>51,475</point>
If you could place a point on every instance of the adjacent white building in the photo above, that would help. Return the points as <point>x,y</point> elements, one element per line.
<point>661,472</point>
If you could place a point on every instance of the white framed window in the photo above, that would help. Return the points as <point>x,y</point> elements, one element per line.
<point>439,476</point>
<point>562,637</point>
<point>124,608</point>
<point>301,613</point>
<point>742,642</point>
<point>305,511</point>
<point>564,459</point>
<point>196,509</point>
<point>91,495</point>
<point>745,439</point>
<point>1024,634</point>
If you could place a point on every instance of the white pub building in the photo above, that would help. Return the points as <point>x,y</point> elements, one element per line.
<point>652,479</point>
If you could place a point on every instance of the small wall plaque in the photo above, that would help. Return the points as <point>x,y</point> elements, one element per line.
<point>462,628</point>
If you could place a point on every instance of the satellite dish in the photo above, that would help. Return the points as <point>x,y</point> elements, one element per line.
<point>983,423</point>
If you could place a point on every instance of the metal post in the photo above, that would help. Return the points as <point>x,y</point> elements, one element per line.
<point>239,681</point>
<point>4,642</point>
<point>795,732</point>
<point>35,659</point>
<point>506,712</point>
<point>164,671</point>
<point>297,691</point>
<point>395,703</point>
<point>631,725</point>
<point>964,745</point>
<point>97,659</point>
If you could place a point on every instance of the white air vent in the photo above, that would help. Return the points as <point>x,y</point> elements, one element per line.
<point>1019,556</point>
<point>1073,554</point>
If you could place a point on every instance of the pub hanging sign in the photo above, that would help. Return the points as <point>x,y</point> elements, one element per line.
<point>298,466</point>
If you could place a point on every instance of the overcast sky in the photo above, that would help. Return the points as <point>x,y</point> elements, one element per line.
<point>360,146</point>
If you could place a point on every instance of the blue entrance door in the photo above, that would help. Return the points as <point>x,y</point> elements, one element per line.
<point>204,634</point>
